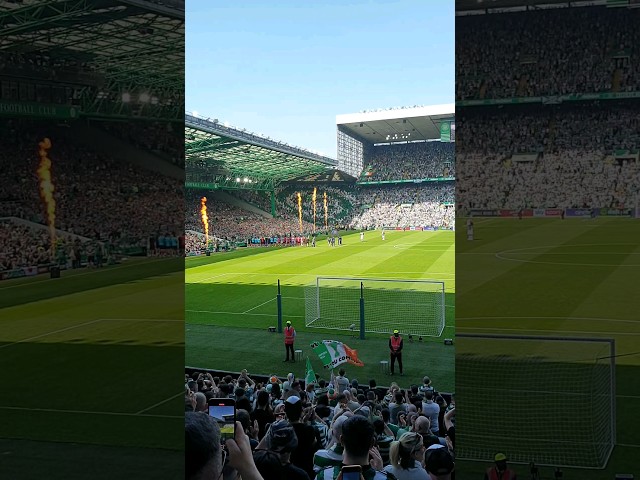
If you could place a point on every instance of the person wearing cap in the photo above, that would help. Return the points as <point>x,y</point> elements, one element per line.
<point>438,462</point>
<point>395,348</point>
<point>279,441</point>
<point>289,338</point>
<point>500,471</point>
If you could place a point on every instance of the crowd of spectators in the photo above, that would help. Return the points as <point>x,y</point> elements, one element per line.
<point>405,206</point>
<point>399,205</point>
<point>234,224</point>
<point>596,54</point>
<point>159,138</point>
<point>294,431</point>
<point>97,198</point>
<point>410,161</point>
<point>570,157</point>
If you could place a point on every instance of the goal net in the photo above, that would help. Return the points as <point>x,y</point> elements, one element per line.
<point>548,400</point>
<point>414,307</point>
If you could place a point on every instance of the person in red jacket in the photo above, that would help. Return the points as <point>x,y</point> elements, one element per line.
<point>395,347</point>
<point>289,338</point>
<point>500,471</point>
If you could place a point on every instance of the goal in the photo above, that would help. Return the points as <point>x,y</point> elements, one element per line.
<point>548,400</point>
<point>376,305</point>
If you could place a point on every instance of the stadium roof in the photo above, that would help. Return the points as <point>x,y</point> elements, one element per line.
<point>405,124</point>
<point>222,155</point>
<point>122,46</point>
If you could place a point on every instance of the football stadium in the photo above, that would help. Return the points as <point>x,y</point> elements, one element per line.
<point>91,221</point>
<point>344,252</point>
<point>547,317</point>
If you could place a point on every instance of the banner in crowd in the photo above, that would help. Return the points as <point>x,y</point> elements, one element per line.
<point>508,213</point>
<point>617,212</point>
<point>484,213</point>
<point>551,100</point>
<point>42,110</point>
<point>578,212</point>
<point>415,180</point>
<point>23,272</point>
<point>333,353</point>
<point>553,212</point>
<point>445,132</point>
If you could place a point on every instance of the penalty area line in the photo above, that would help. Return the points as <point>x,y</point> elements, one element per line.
<point>158,404</point>
<point>258,306</point>
<point>83,412</point>
<point>49,333</point>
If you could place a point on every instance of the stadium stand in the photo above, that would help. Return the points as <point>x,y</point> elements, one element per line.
<point>572,153</point>
<point>598,47</point>
<point>94,196</point>
<point>410,161</point>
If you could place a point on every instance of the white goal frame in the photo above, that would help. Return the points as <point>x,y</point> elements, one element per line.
<point>407,326</point>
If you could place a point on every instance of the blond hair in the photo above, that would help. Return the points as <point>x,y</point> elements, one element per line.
<point>402,450</point>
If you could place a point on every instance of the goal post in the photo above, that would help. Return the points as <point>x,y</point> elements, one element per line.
<point>548,400</point>
<point>376,305</point>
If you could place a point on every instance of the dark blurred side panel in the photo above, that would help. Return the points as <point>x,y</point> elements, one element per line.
<point>547,244</point>
<point>91,239</point>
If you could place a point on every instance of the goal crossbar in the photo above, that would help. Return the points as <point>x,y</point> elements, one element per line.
<point>376,305</point>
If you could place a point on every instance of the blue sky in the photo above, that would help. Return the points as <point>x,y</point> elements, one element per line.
<point>286,68</point>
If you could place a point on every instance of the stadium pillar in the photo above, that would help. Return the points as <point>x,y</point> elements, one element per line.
<point>273,203</point>
<point>361,311</point>
<point>279,302</point>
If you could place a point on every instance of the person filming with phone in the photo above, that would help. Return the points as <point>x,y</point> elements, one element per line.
<point>206,456</point>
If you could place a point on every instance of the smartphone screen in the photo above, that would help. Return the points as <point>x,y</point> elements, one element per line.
<point>224,412</point>
<point>351,472</point>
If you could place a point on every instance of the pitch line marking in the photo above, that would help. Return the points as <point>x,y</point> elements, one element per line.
<point>158,404</point>
<point>521,330</point>
<point>242,313</point>
<point>263,303</point>
<point>117,267</point>
<point>83,412</point>
<point>597,319</point>
<point>50,333</point>
<point>209,278</point>
<point>159,320</point>
<point>501,255</point>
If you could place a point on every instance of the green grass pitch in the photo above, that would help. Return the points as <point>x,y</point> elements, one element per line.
<point>231,301</point>
<point>91,372</point>
<point>549,277</point>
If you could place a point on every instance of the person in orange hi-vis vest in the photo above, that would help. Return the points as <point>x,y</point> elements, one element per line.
<point>395,347</point>
<point>289,338</point>
<point>500,471</point>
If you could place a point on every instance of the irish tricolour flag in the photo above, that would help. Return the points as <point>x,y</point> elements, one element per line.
<point>333,353</point>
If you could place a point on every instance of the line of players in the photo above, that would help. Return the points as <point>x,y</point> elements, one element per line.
<point>332,240</point>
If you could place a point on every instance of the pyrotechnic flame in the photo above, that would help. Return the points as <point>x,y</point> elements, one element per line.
<point>315,189</point>
<point>300,211</point>
<point>205,218</point>
<point>326,212</point>
<point>47,188</point>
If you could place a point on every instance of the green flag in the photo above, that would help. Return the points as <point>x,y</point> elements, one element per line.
<point>333,353</point>
<point>309,374</point>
